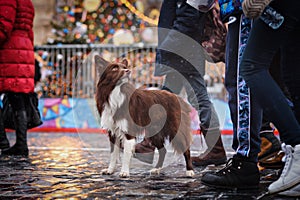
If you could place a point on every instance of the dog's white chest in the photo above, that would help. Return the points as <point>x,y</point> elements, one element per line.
<point>116,99</point>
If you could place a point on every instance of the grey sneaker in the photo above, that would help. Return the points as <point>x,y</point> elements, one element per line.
<point>290,175</point>
<point>293,192</point>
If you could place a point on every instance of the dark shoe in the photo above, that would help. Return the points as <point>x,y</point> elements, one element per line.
<point>238,174</point>
<point>270,145</point>
<point>215,153</point>
<point>16,151</point>
<point>4,143</point>
<point>210,158</point>
<point>144,151</point>
<point>273,162</point>
<point>20,148</point>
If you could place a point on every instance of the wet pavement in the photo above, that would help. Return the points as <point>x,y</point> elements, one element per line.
<point>68,166</point>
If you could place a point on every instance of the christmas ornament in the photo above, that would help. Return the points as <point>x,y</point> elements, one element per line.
<point>122,37</point>
<point>149,36</point>
<point>91,5</point>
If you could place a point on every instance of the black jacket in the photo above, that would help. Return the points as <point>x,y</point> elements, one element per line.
<point>180,30</point>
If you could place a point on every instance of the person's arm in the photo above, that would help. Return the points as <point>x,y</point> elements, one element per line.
<point>7,18</point>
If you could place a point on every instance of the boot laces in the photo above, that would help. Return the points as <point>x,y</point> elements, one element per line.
<point>228,167</point>
<point>288,150</point>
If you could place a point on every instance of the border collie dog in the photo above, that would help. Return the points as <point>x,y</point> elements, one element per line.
<point>127,112</point>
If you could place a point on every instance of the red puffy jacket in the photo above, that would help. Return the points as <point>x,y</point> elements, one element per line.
<point>16,46</point>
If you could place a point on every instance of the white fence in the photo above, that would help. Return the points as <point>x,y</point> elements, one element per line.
<point>68,70</point>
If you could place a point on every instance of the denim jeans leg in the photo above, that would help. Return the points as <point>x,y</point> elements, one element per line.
<point>262,45</point>
<point>195,87</point>
<point>199,99</point>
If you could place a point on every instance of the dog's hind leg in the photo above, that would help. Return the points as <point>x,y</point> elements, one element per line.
<point>162,154</point>
<point>114,153</point>
<point>129,143</point>
<point>188,162</point>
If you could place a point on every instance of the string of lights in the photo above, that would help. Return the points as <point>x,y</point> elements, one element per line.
<point>139,14</point>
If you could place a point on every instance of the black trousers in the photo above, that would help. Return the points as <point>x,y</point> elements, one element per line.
<point>17,100</point>
<point>263,44</point>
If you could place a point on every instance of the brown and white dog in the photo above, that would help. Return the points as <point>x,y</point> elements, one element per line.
<point>128,112</point>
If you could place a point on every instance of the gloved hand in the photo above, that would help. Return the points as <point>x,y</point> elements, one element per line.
<point>254,8</point>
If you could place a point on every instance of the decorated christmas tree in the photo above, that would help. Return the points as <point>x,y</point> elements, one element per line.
<point>97,21</point>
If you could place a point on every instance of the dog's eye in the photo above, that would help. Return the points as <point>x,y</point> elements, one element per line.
<point>115,68</point>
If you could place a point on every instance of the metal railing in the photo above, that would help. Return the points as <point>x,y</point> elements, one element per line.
<point>69,70</point>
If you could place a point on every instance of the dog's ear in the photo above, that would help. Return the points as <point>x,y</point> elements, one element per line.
<point>125,62</point>
<point>101,64</point>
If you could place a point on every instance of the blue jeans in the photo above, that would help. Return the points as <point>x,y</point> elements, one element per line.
<point>196,91</point>
<point>181,58</point>
<point>262,45</point>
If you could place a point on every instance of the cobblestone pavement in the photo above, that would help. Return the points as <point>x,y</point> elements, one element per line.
<point>67,166</point>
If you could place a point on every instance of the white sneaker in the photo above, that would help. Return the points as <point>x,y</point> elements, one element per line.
<point>290,175</point>
<point>293,192</point>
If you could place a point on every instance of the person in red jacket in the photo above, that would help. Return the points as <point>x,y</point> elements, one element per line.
<point>16,67</point>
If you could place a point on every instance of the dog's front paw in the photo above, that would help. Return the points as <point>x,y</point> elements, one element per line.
<point>155,171</point>
<point>124,174</point>
<point>107,171</point>
<point>190,173</point>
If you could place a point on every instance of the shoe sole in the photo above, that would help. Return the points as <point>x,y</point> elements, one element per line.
<point>285,187</point>
<point>215,162</point>
<point>231,188</point>
<point>289,194</point>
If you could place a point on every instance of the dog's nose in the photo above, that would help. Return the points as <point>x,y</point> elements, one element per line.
<point>127,71</point>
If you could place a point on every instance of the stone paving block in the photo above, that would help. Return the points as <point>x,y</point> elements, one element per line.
<point>68,166</point>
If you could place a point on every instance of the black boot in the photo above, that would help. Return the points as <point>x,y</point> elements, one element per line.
<point>20,148</point>
<point>4,143</point>
<point>238,174</point>
<point>215,152</point>
<point>144,151</point>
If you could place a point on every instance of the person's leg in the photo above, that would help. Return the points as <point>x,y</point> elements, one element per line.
<point>209,123</point>
<point>241,171</point>
<point>290,56</point>
<point>263,43</point>
<point>181,51</point>
<point>231,71</point>
<point>291,76</point>
<point>197,95</point>
<point>18,102</point>
<point>4,143</point>
<point>242,107</point>
<point>270,144</point>
<point>244,115</point>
